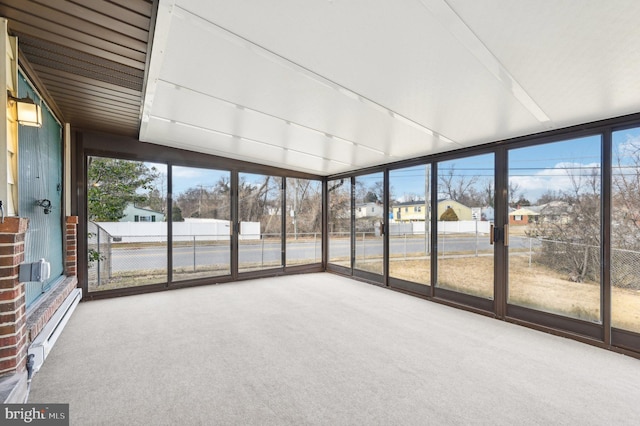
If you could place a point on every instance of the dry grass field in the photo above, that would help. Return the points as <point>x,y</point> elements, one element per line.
<point>532,286</point>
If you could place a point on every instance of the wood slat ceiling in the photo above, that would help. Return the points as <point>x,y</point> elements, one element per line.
<point>90,56</point>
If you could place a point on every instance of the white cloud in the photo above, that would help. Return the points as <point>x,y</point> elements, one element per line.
<point>630,147</point>
<point>188,173</point>
<point>561,177</point>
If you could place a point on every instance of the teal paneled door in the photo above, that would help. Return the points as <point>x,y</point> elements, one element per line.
<point>40,192</point>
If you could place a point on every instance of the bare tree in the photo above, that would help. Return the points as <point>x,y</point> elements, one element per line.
<point>570,227</point>
<point>548,196</point>
<point>339,209</point>
<point>626,185</point>
<point>488,193</point>
<point>514,193</point>
<point>625,224</point>
<point>304,201</point>
<point>459,187</point>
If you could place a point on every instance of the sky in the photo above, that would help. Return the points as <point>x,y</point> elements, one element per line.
<point>535,169</point>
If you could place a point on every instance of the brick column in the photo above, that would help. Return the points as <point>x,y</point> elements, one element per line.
<point>13,333</point>
<point>71,247</point>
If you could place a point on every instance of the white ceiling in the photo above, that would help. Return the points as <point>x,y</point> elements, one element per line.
<point>327,86</point>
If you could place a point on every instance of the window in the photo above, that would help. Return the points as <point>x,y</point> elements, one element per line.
<point>554,265</point>
<point>625,230</point>
<point>409,240</point>
<point>304,221</point>
<point>140,255</point>
<point>339,222</point>
<point>201,218</point>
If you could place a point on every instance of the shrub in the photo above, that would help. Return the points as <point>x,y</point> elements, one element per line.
<point>449,215</point>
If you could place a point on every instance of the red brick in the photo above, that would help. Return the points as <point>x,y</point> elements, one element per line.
<point>11,306</point>
<point>14,225</point>
<point>10,294</point>
<point>10,249</point>
<point>11,260</point>
<point>7,329</point>
<point>10,351</point>
<point>8,283</point>
<point>9,271</point>
<point>8,341</point>
<point>9,317</point>
<point>9,365</point>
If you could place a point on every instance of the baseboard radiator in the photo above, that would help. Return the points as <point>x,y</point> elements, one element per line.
<point>43,343</point>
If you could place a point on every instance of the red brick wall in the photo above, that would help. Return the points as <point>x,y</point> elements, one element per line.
<point>13,332</point>
<point>38,319</point>
<point>71,247</point>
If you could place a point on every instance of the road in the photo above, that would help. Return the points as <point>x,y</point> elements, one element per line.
<point>265,252</point>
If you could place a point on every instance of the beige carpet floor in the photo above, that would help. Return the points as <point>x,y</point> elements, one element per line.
<point>320,349</point>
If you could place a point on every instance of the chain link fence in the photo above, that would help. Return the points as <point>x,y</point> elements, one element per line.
<point>98,255</point>
<point>625,269</point>
<point>569,257</point>
<point>143,259</point>
<point>109,257</point>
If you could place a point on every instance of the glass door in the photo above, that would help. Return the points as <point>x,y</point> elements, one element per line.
<point>339,224</point>
<point>369,226</point>
<point>304,221</point>
<point>409,228</point>
<point>554,233</point>
<point>126,223</point>
<point>465,215</point>
<point>260,222</point>
<point>201,223</point>
<point>625,238</point>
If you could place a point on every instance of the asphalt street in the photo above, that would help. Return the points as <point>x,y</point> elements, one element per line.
<point>266,252</point>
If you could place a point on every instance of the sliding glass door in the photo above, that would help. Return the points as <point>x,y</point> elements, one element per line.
<point>465,216</point>
<point>625,234</point>
<point>201,223</point>
<point>409,227</point>
<point>339,224</point>
<point>126,223</point>
<point>260,222</point>
<point>554,230</point>
<point>369,225</point>
<point>304,221</point>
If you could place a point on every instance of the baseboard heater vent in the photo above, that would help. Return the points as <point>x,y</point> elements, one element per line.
<point>43,343</point>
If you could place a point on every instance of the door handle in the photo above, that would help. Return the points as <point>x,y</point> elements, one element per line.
<point>506,235</point>
<point>491,233</point>
<point>381,228</point>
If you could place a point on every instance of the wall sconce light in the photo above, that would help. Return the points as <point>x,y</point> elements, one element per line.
<point>29,113</point>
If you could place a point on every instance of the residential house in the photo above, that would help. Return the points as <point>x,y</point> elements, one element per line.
<point>522,216</point>
<point>369,210</point>
<point>463,212</point>
<point>133,213</point>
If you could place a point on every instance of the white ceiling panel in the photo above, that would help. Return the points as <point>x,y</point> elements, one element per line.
<point>399,54</point>
<point>327,86</point>
<point>202,140</point>
<point>579,60</point>
<point>224,118</point>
